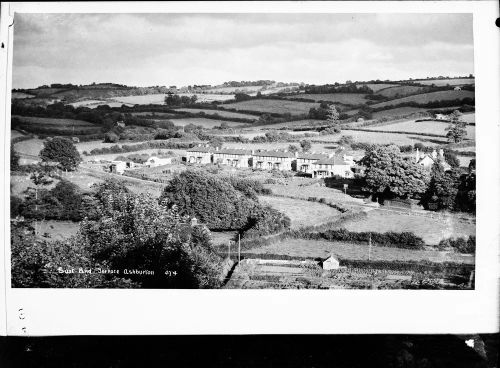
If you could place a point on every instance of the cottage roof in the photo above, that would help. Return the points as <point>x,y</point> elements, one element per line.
<point>335,160</point>
<point>201,149</point>
<point>312,156</point>
<point>274,154</point>
<point>234,151</point>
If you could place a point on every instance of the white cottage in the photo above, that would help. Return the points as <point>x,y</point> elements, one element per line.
<point>333,166</point>
<point>305,161</point>
<point>199,155</point>
<point>427,160</point>
<point>232,157</point>
<point>331,263</point>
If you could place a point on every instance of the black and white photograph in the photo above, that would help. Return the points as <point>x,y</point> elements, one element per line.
<point>243,151</point>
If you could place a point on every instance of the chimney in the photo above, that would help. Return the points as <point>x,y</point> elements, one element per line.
<point>296,154</point>
<point>434,154</point>
<point>253,152</point>
<point>441,153</point>
<point>216,148</point>
<point>417,156</point>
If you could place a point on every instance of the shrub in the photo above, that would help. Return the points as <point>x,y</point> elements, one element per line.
<point>461,245</point>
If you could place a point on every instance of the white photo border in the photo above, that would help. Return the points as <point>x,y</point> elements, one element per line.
<point>125,312</point>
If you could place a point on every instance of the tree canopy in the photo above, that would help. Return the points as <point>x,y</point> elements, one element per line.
<point>388,172</point>
<point>62,151</point>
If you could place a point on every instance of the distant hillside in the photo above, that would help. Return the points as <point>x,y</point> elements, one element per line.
<point>71,93</point>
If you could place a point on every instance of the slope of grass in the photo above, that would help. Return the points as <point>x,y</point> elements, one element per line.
<point>274,106</point>
<point>428,97</point>
<point>343,98</point>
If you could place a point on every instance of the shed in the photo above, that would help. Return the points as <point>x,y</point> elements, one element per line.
<point>331,263</point>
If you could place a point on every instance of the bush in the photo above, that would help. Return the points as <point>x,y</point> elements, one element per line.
<point>405,240</point>
<point>461,245</point>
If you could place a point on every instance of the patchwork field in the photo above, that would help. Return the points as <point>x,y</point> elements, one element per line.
<point>297,123</point>
<point>349,251</point>
<point>383,138</point>
<point>206,123</point>
<point>15,134</point>
<point>29,147</point>
<point>398,111</point>
<point>432,230</point>
<point>343,98</point>
<point>375,87</point>
<point>400,90</point>
<point>276,106</point>
<point>226,114</point>
<point>428,97</point>
<point>302,213</point>
<point>20,95</point>
<point>159,99</point>
<point>430,127</point>
<point>444,82</point>
<point>58,126</point>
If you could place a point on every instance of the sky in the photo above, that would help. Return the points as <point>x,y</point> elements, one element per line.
<point>187,49</point>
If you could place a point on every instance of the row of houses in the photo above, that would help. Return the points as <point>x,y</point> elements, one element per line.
<point>318,165</point>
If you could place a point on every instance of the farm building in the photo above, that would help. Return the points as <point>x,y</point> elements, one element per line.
<point>441,117</point>
<point>457,89</point>
<point>333,166</point>
<point>331,263</point>
<point>273,160</point>
<point>199,155</point>
<point>154,161</point>
<point>305,161</point>
<point>117,167</point>
<point>233,157</point>
<point>428,160</point>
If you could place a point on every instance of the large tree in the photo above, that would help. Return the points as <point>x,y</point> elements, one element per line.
<point>457,128</point>
<point>14,159</point>
<point>62,151</point>
<point>443,187</point>
<point>333,116</point>
<point>388,173</point>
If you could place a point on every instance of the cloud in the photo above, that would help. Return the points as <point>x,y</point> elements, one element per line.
<point>152,49</point>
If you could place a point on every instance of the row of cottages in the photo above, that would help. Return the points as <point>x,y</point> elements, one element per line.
<point>318,165</point>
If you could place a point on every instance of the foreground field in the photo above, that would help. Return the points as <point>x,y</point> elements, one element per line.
<point>432,230</point>
<point>302,213</point>
<point>274,106</point>
<point>428,97</point>
<point>430,127</point>
<point>342,98</point>
<point>349,251</point>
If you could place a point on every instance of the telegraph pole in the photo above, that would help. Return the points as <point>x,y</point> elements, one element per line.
<point>239,248</point>
<point>229,249</point>
<point>370,247</point>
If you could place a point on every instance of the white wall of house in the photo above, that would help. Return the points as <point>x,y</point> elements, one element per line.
<point>199,157</point>
<point>327,170</point>
<point>231,159</point>
<point>272,163</point>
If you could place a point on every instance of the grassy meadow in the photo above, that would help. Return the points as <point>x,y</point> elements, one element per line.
<point>274,106</point>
